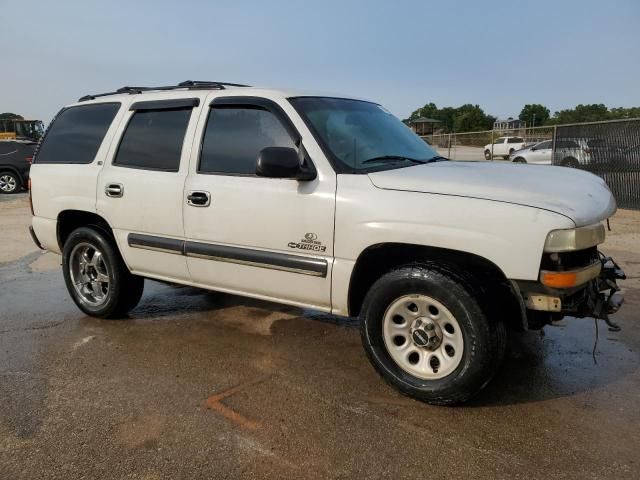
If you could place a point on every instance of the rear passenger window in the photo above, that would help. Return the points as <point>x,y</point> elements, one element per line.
<point>76,134</point>
<point>153,140</point>
<point>515,140</point>
<point>234,137</point>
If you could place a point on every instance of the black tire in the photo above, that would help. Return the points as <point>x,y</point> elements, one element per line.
<point>9,182</point>
<point>487,154</point>
<point>570,162</point>
<point>484,337</point>
<point>124,290</point>
<point>519,160</point>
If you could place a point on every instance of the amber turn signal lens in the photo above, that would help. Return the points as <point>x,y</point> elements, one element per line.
<point>559,279</point>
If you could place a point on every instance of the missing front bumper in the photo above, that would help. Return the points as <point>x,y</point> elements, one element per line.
<point>597,298</point>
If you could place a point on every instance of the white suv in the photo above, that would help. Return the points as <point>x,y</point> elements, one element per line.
<point>326,203</point>
<point>503,147</point>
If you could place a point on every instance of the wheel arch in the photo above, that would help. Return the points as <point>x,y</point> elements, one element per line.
<point>14,170</point>
<point>378,259</point>
<point>69,220</point>
<point>569,159</point>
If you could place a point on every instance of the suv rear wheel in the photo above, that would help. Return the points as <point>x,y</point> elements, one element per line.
<point>487,154</point>
<point>570,162</point>
<point>9,182</point>
<point>426,334</point>
<point>96,276</point>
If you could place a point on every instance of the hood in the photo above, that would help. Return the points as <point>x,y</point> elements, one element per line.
<point>581,196</point>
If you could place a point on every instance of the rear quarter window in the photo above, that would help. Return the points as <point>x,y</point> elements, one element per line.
<point>77,133</point>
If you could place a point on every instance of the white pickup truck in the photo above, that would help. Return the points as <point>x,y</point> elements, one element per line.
<point>503,147</point>
<point>325,203</point>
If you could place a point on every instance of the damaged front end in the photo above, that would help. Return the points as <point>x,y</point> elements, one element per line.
<point>579,281</point>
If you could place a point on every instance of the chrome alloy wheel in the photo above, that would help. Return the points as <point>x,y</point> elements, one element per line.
<point>8,183</point>
<point>422,337</point>
<point>89,274</point>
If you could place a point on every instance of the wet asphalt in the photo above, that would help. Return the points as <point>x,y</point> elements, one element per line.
<point>198,384</point>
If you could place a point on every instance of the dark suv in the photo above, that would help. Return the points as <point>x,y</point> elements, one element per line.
<point>15,162</point>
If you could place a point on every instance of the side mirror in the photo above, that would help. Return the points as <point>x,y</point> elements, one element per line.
<point>282,162</point>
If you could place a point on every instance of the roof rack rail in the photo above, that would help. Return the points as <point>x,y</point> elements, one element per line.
<point>188,84</point>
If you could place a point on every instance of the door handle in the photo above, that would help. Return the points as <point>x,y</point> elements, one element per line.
<point>199,199</point>
<point>114,190</point>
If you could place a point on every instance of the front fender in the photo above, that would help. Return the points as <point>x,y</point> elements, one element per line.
<point>508,235</point>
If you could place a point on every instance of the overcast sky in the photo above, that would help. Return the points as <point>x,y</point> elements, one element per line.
<point>402,54</point>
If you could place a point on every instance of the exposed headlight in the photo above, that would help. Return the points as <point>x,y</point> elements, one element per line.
<point>574,238</point>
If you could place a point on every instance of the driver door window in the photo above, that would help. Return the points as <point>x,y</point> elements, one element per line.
<point>235,136</point>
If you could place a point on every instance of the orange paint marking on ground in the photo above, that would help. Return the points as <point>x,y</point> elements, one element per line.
<point>214,402</point>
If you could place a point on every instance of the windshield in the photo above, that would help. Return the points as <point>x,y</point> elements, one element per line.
<point>361,136</point>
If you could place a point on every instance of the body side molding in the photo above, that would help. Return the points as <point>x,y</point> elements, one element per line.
<point>224,253</point>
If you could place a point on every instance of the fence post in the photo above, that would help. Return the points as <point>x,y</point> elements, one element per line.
<point>491,145</point>
<point>553,145</point>
<point>449,151</point>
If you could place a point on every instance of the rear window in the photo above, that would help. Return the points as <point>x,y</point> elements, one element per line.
<point>76,133</point>
<point>153,140</point>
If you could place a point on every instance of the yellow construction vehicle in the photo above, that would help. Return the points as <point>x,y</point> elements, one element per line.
<point>21,129</point>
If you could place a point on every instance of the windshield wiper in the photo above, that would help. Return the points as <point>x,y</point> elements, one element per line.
<point>392,158</point>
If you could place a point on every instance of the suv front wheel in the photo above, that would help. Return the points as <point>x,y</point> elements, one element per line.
<point>426,334</point>
<point>96,276</point>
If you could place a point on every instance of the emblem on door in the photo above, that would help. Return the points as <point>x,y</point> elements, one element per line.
<point>309,242</point>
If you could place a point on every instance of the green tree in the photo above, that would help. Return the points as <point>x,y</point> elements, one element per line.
<point>10,115</point>
<point>621,112</point>
<point>534,114</point>
<point>470,118</point>
<point>429,111</point>
<point>465,118</point>
<point>594,112</point>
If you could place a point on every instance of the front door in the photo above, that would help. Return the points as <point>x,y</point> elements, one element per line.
<point>140,192</point>
<point>541,153</point>
<point>266,237</point>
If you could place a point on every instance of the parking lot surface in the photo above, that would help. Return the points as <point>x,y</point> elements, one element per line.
<point>199,384</point>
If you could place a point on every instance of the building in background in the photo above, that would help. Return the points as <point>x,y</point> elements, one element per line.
<point>423,125</point>
<point>508,124</point>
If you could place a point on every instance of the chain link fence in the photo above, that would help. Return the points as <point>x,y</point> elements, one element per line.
<point>608,149</point>
<point>486,145</point>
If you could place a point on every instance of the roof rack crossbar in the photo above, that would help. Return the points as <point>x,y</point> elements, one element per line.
<point>187,84</point>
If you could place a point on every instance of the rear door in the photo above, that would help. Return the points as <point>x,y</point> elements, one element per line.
<point>266,237</point>
<point>140,190</point>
